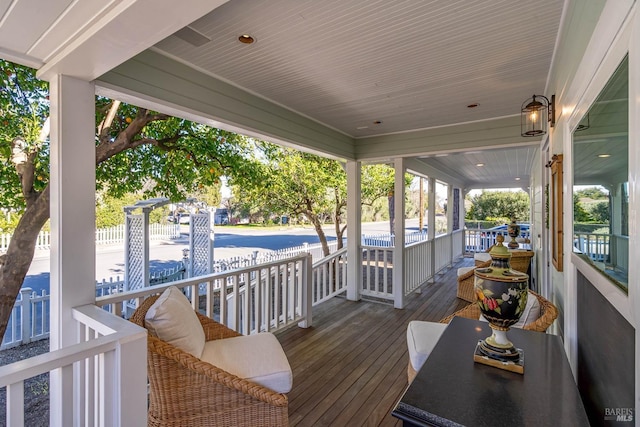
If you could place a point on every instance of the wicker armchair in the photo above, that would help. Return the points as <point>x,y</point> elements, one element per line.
<point>187,391</point>
<point>465,284</point>
<point>548,313</point>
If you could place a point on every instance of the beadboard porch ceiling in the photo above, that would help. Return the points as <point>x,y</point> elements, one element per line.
<point>363,68</point>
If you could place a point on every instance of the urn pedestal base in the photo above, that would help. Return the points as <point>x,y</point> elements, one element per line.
<point>509,360</point>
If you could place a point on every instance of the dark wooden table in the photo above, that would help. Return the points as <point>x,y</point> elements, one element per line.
<point>451,389</point>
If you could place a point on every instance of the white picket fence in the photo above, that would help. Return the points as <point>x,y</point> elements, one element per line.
<point>104,236</point>
<point>29,320</point>
<point>257,257</point>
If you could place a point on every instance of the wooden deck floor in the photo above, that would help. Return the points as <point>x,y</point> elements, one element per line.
<point>350,368</point>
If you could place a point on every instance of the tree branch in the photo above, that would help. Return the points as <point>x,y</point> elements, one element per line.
<point>105,125</point>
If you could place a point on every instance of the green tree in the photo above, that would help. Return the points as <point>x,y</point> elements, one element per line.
<point>579,212</point>
<point>594,193</point>
<point>600,212</point>
<point>302,184</point>
<point>136,149</point>
<point>499,204</point>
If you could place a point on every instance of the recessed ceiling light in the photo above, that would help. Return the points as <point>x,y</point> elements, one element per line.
<point>517,178</point>
<point>479,165</point>
<point>474,105</point>
<point>246,39</point>
<point>377,122</point>
<point>604,156</point>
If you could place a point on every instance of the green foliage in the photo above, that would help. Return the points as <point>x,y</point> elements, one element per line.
<point>294,183</point>
<point>501,205</point>
<point>600,212</point>
<point>167,157</point>
<point>24,108</point>
<point>110,210</point>
<point>579,213</point>
<point>8,222</point>
<point>594,193</point>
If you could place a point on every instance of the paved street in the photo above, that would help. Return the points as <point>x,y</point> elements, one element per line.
<point>229,242</point>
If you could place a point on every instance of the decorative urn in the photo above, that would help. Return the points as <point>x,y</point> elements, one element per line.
<point>513,230</point>
<point>502,296</point>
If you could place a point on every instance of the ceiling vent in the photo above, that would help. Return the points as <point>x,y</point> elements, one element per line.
<point>192,36</point>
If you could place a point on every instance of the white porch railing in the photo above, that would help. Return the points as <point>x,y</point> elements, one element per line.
<point>29,320</point>
<point>105,374</point>
<point>259,298</point>
<point>417,257</point>
<point>443,253</point>
<point>610,249</point>
<point>377,278</point>
<point>444,250</point>
<point>329,277</point>
<point>478,240</point>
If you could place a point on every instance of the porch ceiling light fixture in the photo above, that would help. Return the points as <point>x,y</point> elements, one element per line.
<point>536,112</point>
<point>246,39</point>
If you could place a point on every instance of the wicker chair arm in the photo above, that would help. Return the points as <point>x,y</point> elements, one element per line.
<point>212,372</point>
<point>472,311</point>
<point>214,330</point>
<point>548,313</point>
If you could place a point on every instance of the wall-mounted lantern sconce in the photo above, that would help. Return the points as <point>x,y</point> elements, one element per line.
<point>536,112</point>
<point>584,124</point>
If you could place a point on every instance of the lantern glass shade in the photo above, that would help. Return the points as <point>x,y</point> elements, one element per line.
<point>534,116</point>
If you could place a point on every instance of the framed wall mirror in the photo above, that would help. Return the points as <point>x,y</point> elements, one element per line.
<point>601,181</point>
<point>556,211</point>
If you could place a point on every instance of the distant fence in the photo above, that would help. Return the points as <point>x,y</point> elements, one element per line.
<point>104,236</point>
<point>387,240</point>
<point>29,320</point>
<point>257,257</point>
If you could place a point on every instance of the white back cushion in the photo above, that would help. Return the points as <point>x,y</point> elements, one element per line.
<point>172,319</point>
<point>258,358</point>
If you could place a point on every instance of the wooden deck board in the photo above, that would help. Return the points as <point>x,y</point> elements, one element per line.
<point>350,368</point>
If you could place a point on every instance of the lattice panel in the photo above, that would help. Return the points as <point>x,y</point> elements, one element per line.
<point>134,262</point>
<point>200,247</point>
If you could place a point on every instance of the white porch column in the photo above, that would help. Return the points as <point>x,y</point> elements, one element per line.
<point>450,210</point>
<point>462,215</point>
<point>431,220</point>
<point>72,223</point>
<point>398,231</point>
<point>354,230</point>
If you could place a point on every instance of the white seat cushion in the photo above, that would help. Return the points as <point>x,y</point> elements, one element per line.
<point>172,319</point>
<point>421,339</point>
<point>464,270</point>
<point>258,358</point>
<point>530,314</point>
<point>482,256</point>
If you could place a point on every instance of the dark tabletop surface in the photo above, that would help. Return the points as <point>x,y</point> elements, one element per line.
<point>451,389</point>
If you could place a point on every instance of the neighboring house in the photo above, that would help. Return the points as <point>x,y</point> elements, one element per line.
<point>434,92</point>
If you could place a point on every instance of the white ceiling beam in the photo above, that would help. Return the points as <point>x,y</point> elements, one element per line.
<point>121,33</point>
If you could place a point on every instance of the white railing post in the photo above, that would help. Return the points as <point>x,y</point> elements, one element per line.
<point>132,382</point>
<point>15,404</point>
<point>25,314</point>
<point>307,294</point>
